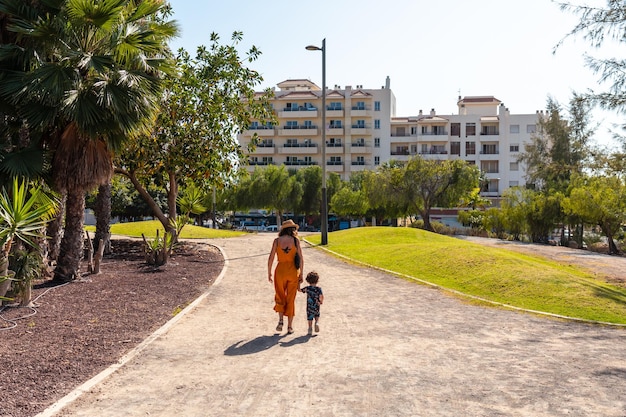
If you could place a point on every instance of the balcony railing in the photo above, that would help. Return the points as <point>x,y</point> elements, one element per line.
<point>300,163</point>
<point>260,127</point>
<point>301,108</point>
<point>299,145</point>
<point>358,162</point>
<point>261,163</point>
<point>291,127</point>
<point>400,152</point>
<point>334,163</point>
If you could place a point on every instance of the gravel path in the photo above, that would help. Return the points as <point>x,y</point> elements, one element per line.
<point>387,347</point>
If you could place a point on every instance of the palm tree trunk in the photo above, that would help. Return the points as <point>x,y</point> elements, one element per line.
<point>54,232</point>
<point>68,264</point>
<point>103,218</point>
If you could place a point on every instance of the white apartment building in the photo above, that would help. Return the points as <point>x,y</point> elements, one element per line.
<point>362,132</point>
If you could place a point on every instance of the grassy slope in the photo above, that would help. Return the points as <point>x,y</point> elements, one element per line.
<point>149,228</point>
<point>495,274</point>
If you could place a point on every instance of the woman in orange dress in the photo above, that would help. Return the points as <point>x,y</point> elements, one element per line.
<point>287,277</point>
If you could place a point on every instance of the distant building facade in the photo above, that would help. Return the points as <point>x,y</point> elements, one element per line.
<point>363,132</point>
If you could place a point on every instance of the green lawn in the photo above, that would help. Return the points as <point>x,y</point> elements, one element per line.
<point>494,274</point>
<point>149,228</point>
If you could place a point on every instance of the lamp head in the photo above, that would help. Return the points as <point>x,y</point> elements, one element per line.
<point>313,48</point>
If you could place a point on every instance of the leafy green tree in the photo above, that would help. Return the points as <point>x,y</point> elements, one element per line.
<point>349,203</point>
<point>513,208</point>
<point>210,99</point>
<point>427,184</point>
<point>310,178</point>
<point>559,148</point>
<point>84,77</point>
<point>599,200</point>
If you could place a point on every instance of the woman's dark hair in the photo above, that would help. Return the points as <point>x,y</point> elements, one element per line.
<point>312,277</point>
<point>291,231</point>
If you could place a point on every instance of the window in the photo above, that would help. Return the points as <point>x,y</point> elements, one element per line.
<point>253,160</point>
<point>360,142</point>
<point>455,148</point>
<point>334,105</point>
<point>489,149</point>
<point>490,167</point>
<point>514,129</point>
<point>514,166</point>
<point>360,105</point>
<point>335,160</point>
<point>377,106</point>
<point>513,183</point>
<point>333,142</point>
<point>266,143</point>
<point>531,128</point>
<point>514,148</point>
<point>292,143</point>
<point>377,142</point>
<point>268,160</point>
<point>470,129</point>
<point>424,149</point>
<point>291,124</point>
<point>376,124</point>
<point>424,130</point>
<point>291,107</point>
<point>360,124</point>
<point>470,148</point>
<point>308,124</point>
<point>400,131</point>
<point>439,130</point>
<point>413,130</point>
<point>307,160</point>
<point>254,125</point>
<point>335,124</point>
<point>377,160</point>
<point>489,130</point>
<point>455,129</point>
<point>360,160</point>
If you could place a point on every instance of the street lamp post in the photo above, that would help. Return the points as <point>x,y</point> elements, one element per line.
<point>324,228</point>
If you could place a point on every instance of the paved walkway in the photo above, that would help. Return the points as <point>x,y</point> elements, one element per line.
<point>387,347</point>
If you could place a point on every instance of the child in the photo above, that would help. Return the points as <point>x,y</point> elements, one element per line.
<point>313,300</point>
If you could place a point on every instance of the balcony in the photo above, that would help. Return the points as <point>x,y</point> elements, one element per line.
<point>359,111</point>
<point>334,113</point>
<point>287,112</point>
<point>360,148</point>
<point>334,131</point>
<point>334,166</point>
<point>358,130</point>
<point>300,163</point>
<point>262,149</point>
<point>260,163</point>
<point>298,149</point>
<point>334,148</point>
<point>259,130</point>
<point>298,131</point>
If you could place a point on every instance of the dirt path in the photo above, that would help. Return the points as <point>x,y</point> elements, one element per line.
<point>387,347</point>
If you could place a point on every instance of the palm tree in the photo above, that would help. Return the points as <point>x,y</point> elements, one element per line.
<point>86,74</point>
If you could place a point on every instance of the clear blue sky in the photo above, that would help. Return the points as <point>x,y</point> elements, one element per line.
<point>431,50</point>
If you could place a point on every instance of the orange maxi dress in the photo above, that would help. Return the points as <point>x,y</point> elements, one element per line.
<point>285,282</point>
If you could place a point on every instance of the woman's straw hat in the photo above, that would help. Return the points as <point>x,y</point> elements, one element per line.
<point>289,223</point>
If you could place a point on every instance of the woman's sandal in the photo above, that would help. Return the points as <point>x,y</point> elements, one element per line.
<point>279,327</point>
<point>289,330</point>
